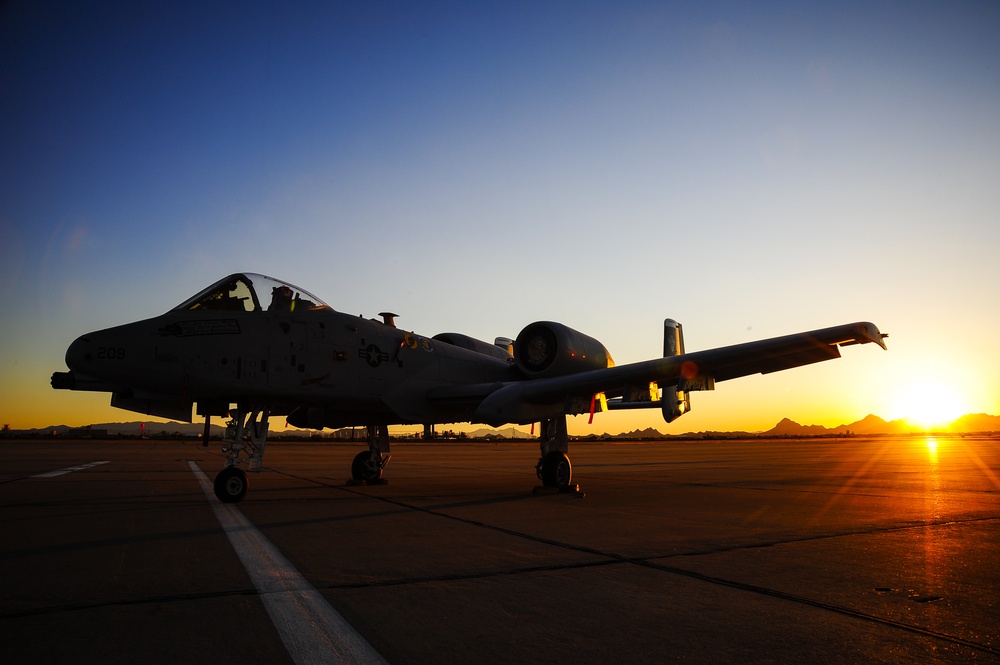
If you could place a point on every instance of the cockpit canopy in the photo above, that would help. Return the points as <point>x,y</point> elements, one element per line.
<point>250,292</point>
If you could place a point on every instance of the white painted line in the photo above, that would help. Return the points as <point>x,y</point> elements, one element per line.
<point>312,631</point>
<point>71,469</point>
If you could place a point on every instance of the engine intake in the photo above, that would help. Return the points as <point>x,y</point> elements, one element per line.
<point>546,348</point>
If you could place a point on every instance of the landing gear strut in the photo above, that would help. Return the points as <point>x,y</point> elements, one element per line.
<point>246,435</point>
<point>554,468</point>
<point>367,465</point>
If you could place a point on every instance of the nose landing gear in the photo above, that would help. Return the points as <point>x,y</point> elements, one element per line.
<point>246,436</point>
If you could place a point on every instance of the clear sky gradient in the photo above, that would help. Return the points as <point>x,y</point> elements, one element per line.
<point>750,170</point>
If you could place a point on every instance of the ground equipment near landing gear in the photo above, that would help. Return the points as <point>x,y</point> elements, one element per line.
<point>368,464</point>
<point>246,435</point>
<point>554,468</point>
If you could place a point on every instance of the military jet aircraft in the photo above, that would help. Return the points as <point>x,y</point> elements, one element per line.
<point>250,347</point>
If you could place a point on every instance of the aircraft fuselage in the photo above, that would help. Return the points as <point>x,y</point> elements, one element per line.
<point>355,370</point>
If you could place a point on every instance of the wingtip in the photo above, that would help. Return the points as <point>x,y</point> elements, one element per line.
<point>872,333</point>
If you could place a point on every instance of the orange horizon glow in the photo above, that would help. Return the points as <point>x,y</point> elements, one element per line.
<point>88,413</point>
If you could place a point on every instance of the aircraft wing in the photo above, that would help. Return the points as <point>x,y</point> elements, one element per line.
<point>530,400</point>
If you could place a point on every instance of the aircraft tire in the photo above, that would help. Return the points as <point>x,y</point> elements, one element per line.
<point>364,468</point>
<point>557,471</point>
<point>231,485</point>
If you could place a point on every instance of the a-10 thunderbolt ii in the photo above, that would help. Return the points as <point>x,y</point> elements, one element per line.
<point>251,347</point>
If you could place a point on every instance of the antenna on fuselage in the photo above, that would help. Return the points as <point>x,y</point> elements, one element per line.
<point>388,318</point>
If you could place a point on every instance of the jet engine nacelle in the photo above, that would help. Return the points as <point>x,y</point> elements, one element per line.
<point>496,350</point>
<point>546,348</point>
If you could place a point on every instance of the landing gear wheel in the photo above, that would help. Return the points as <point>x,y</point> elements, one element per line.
<point>556,470</point>
<point>365,467</point>
<point>231,485</point>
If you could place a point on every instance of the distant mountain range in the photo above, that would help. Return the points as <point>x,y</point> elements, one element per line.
<point>975,422</point>
<point>871,424</point>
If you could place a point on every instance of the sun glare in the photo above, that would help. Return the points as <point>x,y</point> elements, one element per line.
<point>928,404</point>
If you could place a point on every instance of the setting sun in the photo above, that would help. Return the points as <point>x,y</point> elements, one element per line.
<point>928,404</point>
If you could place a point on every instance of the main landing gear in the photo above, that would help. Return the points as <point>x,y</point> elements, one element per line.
<point>246,435</point>
<point>554,468</point>
<point>368,464</point>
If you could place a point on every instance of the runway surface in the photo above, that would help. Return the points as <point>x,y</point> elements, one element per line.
<point>850,550</point>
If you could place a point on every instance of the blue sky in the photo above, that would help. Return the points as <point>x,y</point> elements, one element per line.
<point>750,170</point>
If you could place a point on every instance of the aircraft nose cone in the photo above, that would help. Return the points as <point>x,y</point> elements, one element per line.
<point>79,354</point>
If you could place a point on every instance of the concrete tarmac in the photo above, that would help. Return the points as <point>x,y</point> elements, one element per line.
<point>824,551</point>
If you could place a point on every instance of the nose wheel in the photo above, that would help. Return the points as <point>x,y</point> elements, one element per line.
<point>231,485</point>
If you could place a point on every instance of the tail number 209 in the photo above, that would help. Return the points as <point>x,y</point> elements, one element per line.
<point>111,353</point>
